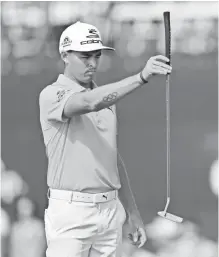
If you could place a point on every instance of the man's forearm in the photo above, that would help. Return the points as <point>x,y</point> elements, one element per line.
<point>107,95</point>
<point>125,193</point>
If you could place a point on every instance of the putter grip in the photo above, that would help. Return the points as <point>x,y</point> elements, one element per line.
<point>167,27</point>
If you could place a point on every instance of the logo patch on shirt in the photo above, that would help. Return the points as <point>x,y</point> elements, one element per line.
<point>60,95</point>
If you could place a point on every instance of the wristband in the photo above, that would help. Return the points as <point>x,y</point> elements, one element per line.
<point>142,78</point>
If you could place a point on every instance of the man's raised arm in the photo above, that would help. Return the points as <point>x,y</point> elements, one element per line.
<point>107,95</point>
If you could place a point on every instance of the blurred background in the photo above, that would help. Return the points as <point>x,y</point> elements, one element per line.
<point>30,60</point>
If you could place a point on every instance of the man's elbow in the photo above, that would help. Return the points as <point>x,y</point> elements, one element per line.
<point>78,109</point>
<point>92,106</point>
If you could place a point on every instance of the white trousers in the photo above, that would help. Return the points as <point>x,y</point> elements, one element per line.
<point>79,229</point>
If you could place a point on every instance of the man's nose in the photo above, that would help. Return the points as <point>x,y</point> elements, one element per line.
<point>92,62</point>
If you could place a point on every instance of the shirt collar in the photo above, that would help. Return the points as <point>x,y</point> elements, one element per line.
<point>67,82</point>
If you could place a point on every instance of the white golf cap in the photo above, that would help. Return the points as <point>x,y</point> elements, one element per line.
<point>81,37</point>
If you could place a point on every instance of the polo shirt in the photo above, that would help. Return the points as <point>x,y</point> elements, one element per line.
<point>82,150</point>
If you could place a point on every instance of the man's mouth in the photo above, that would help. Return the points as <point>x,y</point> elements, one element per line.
<point>90,73</point>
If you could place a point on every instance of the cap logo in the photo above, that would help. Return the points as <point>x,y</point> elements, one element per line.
<point>92,41</point>
<point>66,42</point>
<point>94,33</point>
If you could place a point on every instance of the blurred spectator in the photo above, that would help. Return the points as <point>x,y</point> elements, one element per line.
<point>189,244</point>
<point>185,245</point>
<point>27,235</point>
<point>5,230</point>
<point>12,185</point>
<point>206,248</point>
<point>3,168</point>
<point>213,177</point>
<point>161,232</point>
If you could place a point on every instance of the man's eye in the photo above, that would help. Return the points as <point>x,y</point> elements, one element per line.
<point>98,56</point>
<point>84,57</point>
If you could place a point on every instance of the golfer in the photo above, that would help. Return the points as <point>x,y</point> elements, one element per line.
<point>89,195</point>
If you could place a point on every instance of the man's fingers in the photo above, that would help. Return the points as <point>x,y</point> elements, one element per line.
<point>142,238</point>
<point>163,65</point>
<point>159,70</point>
<point>157,65</point>
<point>138,238</point>
<point>161,58</point>
<point>135,237</point>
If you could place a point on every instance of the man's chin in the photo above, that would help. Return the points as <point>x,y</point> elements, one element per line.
<point>86,81</point>
<point>89,74</point>
<point>88,78</point>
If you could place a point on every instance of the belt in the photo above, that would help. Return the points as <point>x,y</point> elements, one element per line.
<point>81,197</point>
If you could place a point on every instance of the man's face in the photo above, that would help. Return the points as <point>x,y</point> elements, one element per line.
<point>83,65</point>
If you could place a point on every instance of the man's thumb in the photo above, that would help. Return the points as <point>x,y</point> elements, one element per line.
<point>135,236</point>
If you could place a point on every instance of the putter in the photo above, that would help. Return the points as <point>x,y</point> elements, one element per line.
<point>164,213</point>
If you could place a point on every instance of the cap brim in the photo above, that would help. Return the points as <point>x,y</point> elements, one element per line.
<point>89,48</point>
<point>107,48</point>
<point>94,48</point>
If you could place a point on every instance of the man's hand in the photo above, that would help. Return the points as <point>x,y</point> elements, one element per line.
<point>136,229</point>
<point>156,65</point>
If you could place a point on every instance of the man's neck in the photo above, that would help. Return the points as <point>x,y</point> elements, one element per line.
<point>85,85</point>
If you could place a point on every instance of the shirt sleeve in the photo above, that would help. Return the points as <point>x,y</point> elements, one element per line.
<point>52,102</point>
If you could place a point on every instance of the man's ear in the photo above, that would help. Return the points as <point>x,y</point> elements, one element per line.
<point>64,56</point>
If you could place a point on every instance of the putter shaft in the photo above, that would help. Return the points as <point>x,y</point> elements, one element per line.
<point>168,132</point>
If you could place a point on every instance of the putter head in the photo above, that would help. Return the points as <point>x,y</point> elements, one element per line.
<point>170,216</point>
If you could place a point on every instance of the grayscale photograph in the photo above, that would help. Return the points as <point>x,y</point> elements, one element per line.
<point>109,128</point>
